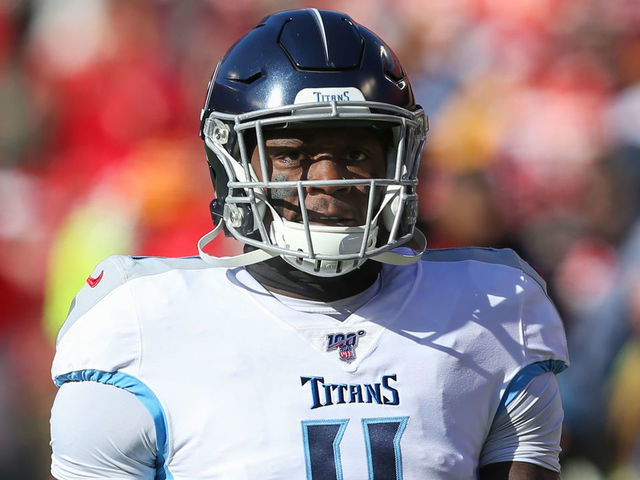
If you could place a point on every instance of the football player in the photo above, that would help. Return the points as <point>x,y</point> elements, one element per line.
<point>328,349</point>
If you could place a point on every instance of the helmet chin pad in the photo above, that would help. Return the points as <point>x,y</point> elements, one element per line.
<point>341,243</point>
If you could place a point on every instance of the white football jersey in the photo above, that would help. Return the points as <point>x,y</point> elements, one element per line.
<point>241,386</point>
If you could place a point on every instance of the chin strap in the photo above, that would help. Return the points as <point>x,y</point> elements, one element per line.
<point>394,258</point>
<point>240,260</point>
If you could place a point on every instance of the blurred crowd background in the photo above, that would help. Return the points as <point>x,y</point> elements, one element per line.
<point>534,144</point>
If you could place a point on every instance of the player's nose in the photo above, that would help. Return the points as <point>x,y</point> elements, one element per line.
<point>326,167</point>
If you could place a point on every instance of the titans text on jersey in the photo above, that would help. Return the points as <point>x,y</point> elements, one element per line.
<point>324,394</point>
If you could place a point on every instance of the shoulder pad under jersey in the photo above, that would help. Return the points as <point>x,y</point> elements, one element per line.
<point>541,327</point>
<point>115,271</point>
<point>500,256</point>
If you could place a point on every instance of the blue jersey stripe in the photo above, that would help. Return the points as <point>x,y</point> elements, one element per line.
<point>524,376</point>
<point>144,394</point>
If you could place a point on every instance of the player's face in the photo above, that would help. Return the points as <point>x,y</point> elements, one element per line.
<point>323,154</point>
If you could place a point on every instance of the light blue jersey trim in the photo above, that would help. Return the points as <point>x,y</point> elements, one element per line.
<point>524,376</point>
<point>144,394</point>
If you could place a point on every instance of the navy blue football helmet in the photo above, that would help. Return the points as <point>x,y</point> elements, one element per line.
<point>310,68</point>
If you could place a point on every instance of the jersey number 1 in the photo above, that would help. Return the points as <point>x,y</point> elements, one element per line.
<point>382,442</point>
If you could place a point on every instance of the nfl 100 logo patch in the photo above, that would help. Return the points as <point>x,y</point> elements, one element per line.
<point>345,343</point>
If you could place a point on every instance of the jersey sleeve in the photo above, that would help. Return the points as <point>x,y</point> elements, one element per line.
<point>101,332</point>
<point>528,422</point>
<point>100,343</point>
<point>543,332</point>
<point>529,428</point>
<point>101,431</point>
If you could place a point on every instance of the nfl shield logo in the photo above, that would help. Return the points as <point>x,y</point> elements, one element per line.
<point>347,352</point>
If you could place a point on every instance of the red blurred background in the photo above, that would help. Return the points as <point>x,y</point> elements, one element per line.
<point>534,108</point>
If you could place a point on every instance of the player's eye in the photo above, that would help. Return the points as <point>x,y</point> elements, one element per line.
<point>289,158</point>
<point>356,155</point>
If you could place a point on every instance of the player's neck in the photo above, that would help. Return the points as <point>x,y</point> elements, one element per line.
<point>278,276</point>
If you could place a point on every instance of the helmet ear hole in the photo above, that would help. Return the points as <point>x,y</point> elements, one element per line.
<point>218,175</point>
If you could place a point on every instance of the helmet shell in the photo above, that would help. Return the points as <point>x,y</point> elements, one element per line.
<point>293,50</point>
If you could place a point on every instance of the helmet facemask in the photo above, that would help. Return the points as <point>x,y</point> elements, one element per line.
<point>318,249</point>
